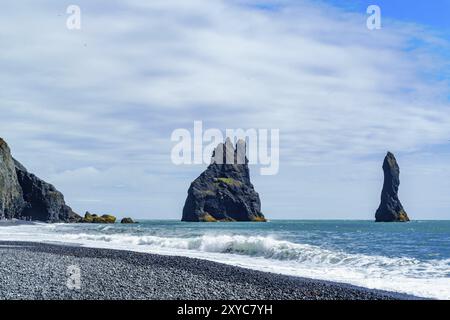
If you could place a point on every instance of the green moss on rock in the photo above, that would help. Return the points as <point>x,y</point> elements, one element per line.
<point>229,181</point>
<point>259,219</point>
<point>208,218</point>
<point>403,217</point>
<point>93,218</point>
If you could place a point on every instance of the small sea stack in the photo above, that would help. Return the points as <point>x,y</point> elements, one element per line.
<point>94,218</point>
<point>391,209</point>
<point>127,221</point>
<point>223,192</point>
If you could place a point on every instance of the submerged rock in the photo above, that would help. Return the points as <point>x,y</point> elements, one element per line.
<point>93,218</point>
<point>223,192</point>
<point>391,209</point>
<point>25,196</point>
<point>127,221</point>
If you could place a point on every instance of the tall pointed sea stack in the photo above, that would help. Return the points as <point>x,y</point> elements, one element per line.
<point>223,192</point>
<point>391,209</point>
<point>25,196</point>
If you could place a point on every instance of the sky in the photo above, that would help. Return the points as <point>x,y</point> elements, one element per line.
<point>92,110</point>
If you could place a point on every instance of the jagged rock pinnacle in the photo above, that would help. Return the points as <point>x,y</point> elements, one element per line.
<point>223,192</point>
<point>391,209</point>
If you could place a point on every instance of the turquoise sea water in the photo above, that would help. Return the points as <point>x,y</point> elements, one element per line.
<point>405,257</point>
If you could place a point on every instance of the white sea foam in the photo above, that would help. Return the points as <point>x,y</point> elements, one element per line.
<point>401,274</point>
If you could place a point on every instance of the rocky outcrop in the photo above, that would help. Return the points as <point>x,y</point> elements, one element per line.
<point>127,221</point>
<point>43,201</point>
<point>25,196</point>
<point>11,197</point>
<point>93,218</point>
<point>223,192</point>
<point>391,209</point>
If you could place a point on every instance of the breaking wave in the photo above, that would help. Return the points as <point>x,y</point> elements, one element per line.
<point>427,278</point>
<point>273,249</point>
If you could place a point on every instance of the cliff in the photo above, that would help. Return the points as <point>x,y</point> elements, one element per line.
<point>11,196</point>
<point>25,196</point>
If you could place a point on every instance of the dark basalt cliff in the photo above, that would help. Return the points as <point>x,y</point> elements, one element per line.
<point>43,201</point>
<point>223,192</point>
<point>25,196</point>
<point>391,209</point>
<point>11,196</point>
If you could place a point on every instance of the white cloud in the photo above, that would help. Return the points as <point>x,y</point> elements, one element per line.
<point>108,96</point>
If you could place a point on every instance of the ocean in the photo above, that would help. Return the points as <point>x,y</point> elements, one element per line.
<point>411,258</point>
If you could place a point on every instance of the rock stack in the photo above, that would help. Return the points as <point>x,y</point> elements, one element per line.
<point>391,209</point>
<point>223,192</point>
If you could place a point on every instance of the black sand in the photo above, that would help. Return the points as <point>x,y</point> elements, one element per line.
<point>39,271</point>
